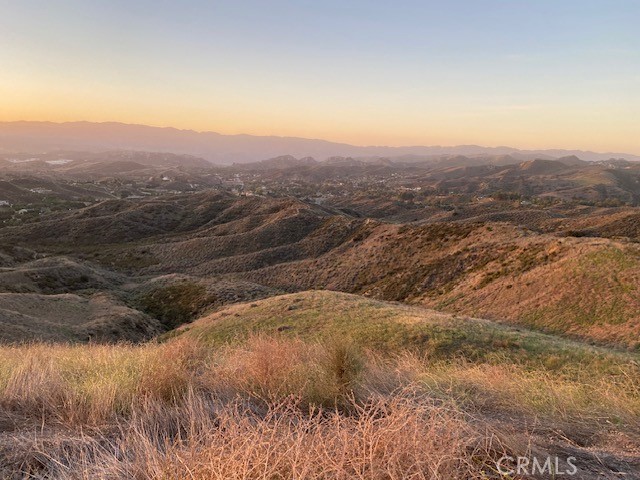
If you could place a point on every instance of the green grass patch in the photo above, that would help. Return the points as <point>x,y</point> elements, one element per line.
<point>390,328</point>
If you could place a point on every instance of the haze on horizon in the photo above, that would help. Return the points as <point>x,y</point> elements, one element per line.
<point>537,75</point>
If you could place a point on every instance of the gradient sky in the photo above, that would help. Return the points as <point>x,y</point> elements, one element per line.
<point>529,74</point>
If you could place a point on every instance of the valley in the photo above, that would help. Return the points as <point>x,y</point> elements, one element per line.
<point>320,240</point>
<point>541,260</point>
<point>502,294</point>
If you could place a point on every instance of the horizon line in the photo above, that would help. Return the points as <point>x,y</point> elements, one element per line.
<point>398,147</point>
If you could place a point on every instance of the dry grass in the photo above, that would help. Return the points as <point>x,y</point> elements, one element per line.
<point>273,408</point>
<point>204,439</point>
<point>601,399</point>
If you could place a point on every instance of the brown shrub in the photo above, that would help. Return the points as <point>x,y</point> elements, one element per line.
<point>203,439</point>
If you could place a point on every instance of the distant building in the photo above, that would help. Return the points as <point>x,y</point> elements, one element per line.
<point>234,183</point>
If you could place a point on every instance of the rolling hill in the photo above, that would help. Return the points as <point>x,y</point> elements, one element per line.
<point>377,291</point>
<point>28,317</point>
<point>384,326</point>
<point>495,267</point>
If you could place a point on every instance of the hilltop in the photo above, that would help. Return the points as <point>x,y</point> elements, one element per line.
<point>386,327</point>
<point>315,382</point>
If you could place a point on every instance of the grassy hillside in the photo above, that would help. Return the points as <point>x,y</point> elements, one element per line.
<point>392,327</point>
<point>353,388</point>
<point>582,287</point>
<point>589,293</point>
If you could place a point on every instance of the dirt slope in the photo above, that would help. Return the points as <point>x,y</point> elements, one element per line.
<point>68,317</point>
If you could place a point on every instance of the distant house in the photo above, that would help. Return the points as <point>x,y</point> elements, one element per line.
<point>234,183</point>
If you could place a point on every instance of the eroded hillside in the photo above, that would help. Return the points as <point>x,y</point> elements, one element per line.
<point>516,267</point>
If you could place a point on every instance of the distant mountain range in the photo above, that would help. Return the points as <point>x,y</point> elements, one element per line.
<point>226,149</point>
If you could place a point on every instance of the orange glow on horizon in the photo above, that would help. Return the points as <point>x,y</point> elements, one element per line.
<point>535,128</point>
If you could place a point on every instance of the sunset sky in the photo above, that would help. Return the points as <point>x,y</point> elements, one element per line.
<point>528,74</point>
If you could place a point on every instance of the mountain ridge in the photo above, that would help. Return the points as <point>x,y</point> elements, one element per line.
<point>226,149</point>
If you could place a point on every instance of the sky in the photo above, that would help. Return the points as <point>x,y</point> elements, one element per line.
<point>527,74</point>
